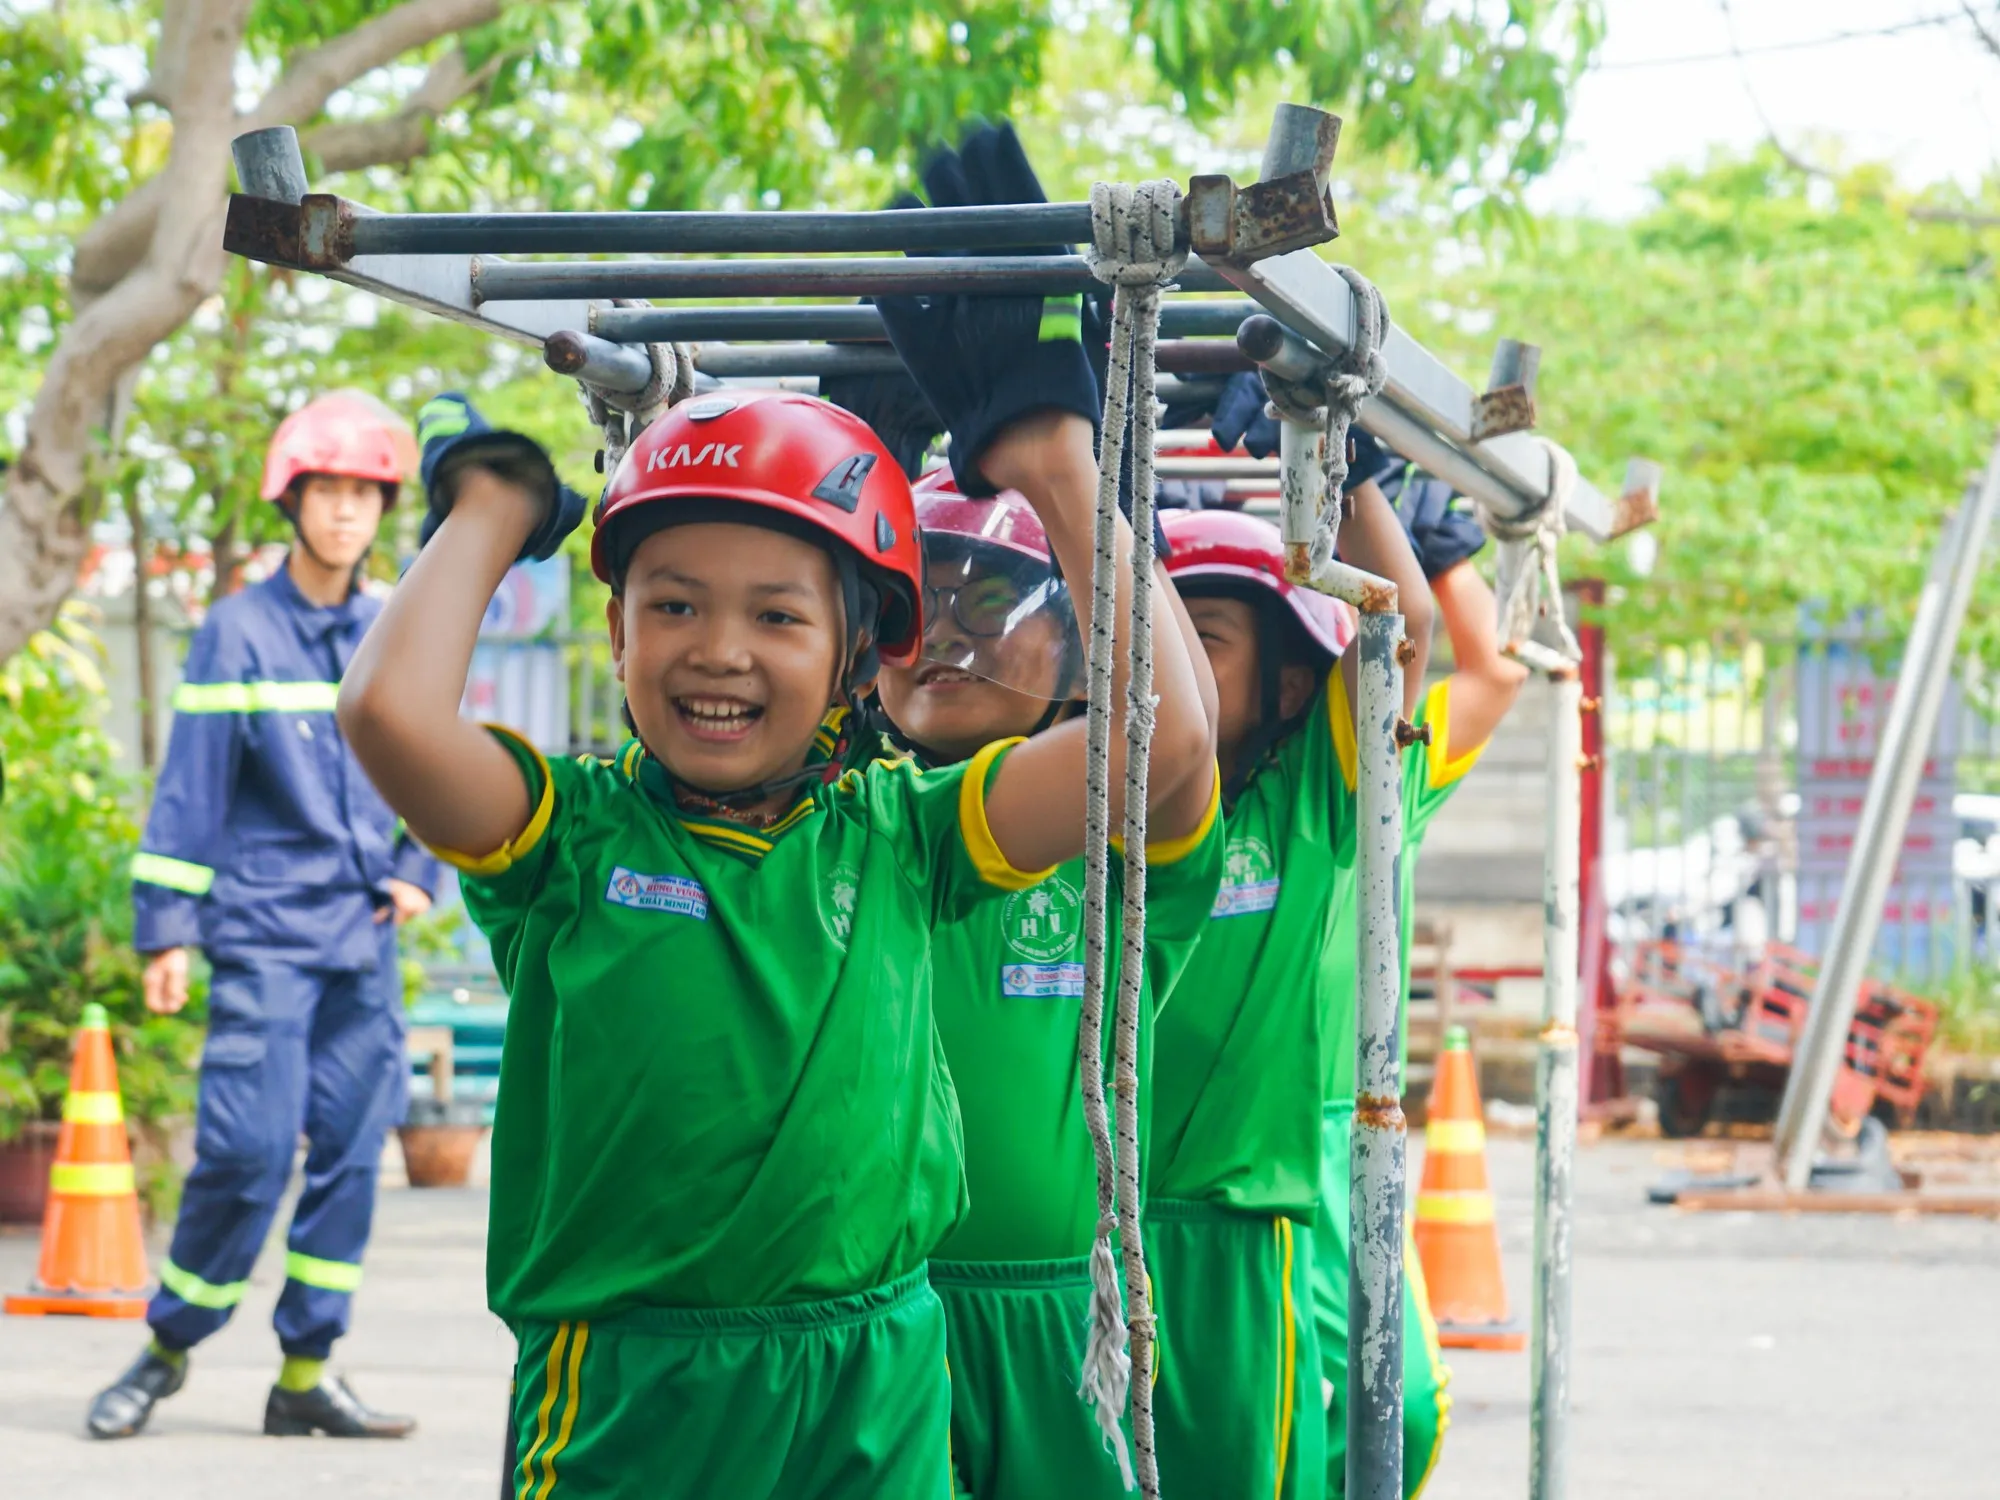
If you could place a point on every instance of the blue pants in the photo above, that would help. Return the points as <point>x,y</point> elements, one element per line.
<point>289,1050</point>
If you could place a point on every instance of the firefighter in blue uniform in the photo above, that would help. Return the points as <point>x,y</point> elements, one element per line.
<point>268,848</point>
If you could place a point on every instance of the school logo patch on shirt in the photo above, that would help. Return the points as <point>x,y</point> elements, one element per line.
<point>1250,878</point>
<point>836,908</point>
<point>678,894</point>
<point>1045,922</point>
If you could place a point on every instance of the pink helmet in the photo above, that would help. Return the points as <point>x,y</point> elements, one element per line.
<point>1227,544</point>
<point>343,432</point>
<point>1006,520</point>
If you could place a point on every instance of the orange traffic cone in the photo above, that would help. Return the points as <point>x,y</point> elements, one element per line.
<point>1458,1243</point>
<point>93,1256</point>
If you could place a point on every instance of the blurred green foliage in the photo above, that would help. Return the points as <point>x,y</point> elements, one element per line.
<point>67,836</point>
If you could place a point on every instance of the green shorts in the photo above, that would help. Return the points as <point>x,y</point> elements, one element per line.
<point>1237,1407</point>
<point>1019,1429</point>
<point>1426,1380</point>
<point>808,1401</point>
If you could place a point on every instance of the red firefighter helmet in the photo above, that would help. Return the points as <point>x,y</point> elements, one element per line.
<point>802,461</point>
<point>343,432</point>
<point>1229,545</point>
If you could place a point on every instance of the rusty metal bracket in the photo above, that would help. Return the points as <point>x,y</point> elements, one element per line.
<point>1408,734</point>
<point>1246,224</point>
<point>1639,502</point>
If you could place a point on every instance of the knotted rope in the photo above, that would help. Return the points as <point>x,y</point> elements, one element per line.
<point>1133,233</point>
<point>622,416</point>
<point>1525,571</point>
<point>1335,402</point>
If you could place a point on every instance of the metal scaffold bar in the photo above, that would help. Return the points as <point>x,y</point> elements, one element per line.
<point>496,280</point>
<point>1375,1256</point>
<point>638,325</point>
<point>792,232</point>
<point>752,361</point>
<point>1885,814</point>
<point>1556,1095</point>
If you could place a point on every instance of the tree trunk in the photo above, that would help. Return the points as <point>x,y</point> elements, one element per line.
<point>142,625</point>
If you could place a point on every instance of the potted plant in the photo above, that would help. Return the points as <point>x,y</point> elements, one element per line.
<point>440,1138</point>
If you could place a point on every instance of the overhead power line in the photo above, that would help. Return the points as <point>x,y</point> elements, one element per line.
<point>1918,23</point>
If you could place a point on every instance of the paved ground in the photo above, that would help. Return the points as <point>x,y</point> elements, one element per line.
<point>1718,1355</point>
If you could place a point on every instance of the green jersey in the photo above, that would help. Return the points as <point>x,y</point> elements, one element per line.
<point>1431,773</point>
<point>721,1085</point>
<point>1009,994</point>
<point>1236,1064</point>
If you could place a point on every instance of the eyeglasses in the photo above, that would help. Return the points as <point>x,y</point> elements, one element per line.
<point>984,607</point>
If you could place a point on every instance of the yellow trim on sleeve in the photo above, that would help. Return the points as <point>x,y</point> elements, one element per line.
<point>1443,769</point>
<point>503,859</point>
<point>980,845</point>
<point>1340,719</point>
<point>1173,851</point>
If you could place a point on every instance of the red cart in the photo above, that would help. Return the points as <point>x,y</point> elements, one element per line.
<point>1720,1030</point>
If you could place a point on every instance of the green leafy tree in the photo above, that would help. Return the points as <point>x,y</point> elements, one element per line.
<point>142,365</point>
<point>1810,361</point>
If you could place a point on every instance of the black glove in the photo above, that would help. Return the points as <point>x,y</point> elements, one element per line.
<point>1443,529</point>
<point>454,435</point>
<point>894,407</point>
<point>1241,417</point>
<point>984,362</point>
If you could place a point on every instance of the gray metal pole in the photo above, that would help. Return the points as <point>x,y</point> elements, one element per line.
<point>596,361</point>
<point>1885,813</point>
<point>1556,1099</point>
<point>753,361</point>
<point>1006,226</point>
<point>1375,1192</point>
<point>495,280</point>
<point>269,164</point>
<point>856,321</point>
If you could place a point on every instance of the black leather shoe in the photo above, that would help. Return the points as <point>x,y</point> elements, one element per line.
<point>122,1409</point>
<point>330,1407</point>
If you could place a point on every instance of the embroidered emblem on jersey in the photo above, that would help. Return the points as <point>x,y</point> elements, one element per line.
<point>1045,922</point>
<point>836,911</point>
<point>1041,981</point>
<point>677,894</point>
<point>1250,878</point>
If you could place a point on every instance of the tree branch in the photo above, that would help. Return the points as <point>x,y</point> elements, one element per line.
<point>110,248</point>
<point>42,530</point>
<point>1988,39</point>
<point>390,140</point>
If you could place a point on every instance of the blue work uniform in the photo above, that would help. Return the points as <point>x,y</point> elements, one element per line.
<point>268,848</point>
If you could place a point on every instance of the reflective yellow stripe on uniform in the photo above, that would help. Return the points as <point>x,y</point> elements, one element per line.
<point>327,1275</point>
<point>256,697</point>
<point>85,1108</point>
<point>174,874</point>
<point>91,1180</point>
<point>192,1290</point>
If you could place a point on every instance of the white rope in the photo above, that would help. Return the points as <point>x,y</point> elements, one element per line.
<point>1526,584</point>
<point>1336,402</point>
<point>622,416</point>
<point>1133,233</point>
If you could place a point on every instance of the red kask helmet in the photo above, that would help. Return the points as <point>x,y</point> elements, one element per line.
<point>1227,545</point>
<point>343,432</point>
<point>808,464</point>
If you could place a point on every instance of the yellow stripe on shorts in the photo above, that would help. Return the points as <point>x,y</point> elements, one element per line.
<point>1288,1360</point>
<point>551,1383</point>
<point>572,1374</point>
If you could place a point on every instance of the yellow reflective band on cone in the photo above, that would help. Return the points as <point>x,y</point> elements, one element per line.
<point>91,1180</point>
<point>1455,1208</point>
<point>327,1275</point>
<point>192,1290</point>
<point>1464,1136</point>
<point>93,1109</point>
<point>174,874</point>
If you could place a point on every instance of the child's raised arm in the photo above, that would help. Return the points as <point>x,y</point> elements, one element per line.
<point>451,783</point>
